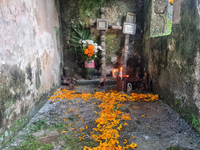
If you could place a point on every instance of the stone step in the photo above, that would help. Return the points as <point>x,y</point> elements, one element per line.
<point>108,81</point>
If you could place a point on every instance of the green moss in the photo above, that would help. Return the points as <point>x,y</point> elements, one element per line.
<point>56,5</point>
<point>57,31</point>
<point>38,125</point>
<point>72,141</point>
<point>113,42</point>
<point>32,143</point>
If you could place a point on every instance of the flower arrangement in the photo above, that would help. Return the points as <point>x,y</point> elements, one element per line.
<point>89,49</point>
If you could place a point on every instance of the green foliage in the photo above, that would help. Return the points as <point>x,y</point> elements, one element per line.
<point>90,4</point>
<point>80,33</point>
<point>19,122</point>
<point>88,7</point>
<point>38,125</point>
<point>73,142</point>
<point>32,143</point>
<point>194,121</point>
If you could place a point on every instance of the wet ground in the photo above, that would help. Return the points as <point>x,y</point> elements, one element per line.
<point>60,125</point>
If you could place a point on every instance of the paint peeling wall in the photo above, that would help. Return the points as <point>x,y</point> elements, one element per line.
<point>173,61</point>
<point>30,58</point>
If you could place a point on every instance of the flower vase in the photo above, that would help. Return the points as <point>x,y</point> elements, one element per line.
<point>90,68</point>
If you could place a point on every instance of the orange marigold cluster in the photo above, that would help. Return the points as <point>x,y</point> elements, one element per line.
<point>89,51</point>
<point>171,1</point>
<point>110,120</point>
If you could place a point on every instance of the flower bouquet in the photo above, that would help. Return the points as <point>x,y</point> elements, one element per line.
<point>89,50</point>
<point>82,44</point>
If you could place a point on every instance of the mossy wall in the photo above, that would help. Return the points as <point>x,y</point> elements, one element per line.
<point>172,60</point>
<point>86,12</point>
<point>30,60</point>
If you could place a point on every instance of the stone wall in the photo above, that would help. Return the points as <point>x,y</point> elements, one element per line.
<point>72,13</point>
<point>173,61</point>
<point>30,60</point>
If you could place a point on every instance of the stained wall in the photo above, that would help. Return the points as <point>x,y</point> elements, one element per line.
<point>86,13</point>
<point>173,61</point>
<point>30,60</point>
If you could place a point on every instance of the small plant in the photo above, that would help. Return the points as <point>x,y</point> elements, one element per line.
<point>38,125</point>
<point>32,143</point>
<point>195,122</point>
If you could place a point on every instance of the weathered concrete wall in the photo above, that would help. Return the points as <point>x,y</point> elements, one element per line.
<point>30,60</point>
<point>173,61</point>
<point>72,13</point>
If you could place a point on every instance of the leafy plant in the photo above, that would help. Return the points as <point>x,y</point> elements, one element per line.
<point>38,125</point>
<point>194,121</point>
<point>80,34</point>
<point>32,143</point>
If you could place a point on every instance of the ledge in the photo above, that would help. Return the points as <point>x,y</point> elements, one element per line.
<point>109,81</point>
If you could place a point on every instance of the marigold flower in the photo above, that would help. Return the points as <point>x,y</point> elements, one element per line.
<point>125,124</point>
<point>86,51</point>
<point>110,117</point>
<point>91,47</point>
<point>171,1</point>
<point>125,141</point>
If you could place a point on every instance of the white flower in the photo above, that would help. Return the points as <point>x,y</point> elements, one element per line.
<point>90,42</point>
<point>84,42</point>
<point>95,47</point>
<point>95,50</point>
<point>80,41</point>
<point>95,44</point>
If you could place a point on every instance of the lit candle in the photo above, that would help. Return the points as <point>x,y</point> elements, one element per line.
<point>115,72</point>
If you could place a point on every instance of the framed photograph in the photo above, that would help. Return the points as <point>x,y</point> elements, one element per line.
<point>129,28</point>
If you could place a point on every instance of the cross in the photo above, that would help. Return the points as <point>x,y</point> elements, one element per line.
<point>128,28</point>
<point>102,25</point>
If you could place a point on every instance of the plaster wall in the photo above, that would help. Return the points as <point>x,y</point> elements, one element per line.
<point>30,60</point>
<point>173,61</point>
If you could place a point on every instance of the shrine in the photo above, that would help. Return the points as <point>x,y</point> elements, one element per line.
<point>99,74</point>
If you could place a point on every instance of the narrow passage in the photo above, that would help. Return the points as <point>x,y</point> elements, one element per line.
<point>92,119</point>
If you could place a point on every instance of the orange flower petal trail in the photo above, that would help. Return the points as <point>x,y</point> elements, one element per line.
<point>109,121</point>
